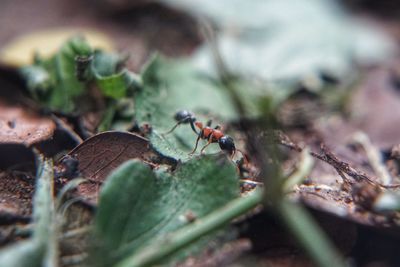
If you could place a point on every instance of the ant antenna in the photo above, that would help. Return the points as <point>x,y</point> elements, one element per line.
<point>173,128</point>
<point>183,116</point>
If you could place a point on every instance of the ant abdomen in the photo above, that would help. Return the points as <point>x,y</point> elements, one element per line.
<point>226,143</point>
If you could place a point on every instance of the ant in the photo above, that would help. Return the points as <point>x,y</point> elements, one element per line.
<point>212,135</point>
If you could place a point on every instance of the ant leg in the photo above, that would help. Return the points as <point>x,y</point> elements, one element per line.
<point>209,142</point>
<point>197,142</point>
<point>209,122</point>
<point>218,127</point>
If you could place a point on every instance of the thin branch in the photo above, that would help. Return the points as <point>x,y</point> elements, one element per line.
<point>327,156</point>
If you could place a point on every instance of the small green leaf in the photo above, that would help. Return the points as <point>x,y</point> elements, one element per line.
<point>113,86</point>
<point>112,81</point>
<point>109,78</point>
<point>150,205</point>
<point>106,64</point>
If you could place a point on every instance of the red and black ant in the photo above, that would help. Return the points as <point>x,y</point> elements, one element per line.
<point>212,135</point>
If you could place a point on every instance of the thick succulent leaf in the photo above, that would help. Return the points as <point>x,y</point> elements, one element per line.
<point>41,248</point>
<point>109,79</point>
<point>150,205</point>
<point>53,82</point>
<point>67,87</point>
<point>170,86</point>
<point>113,86</point>
<point>286,42</point>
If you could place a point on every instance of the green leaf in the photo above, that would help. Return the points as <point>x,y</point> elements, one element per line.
<point>112,81</point>
<point>114,86</point>
<point>109,79</point>
<point>170,86</point>
<point>286,42</point>
<point>67,87</point>
<point>106,64</point>
<point>41,248</point>
<point>160,249</point>
<point>150,205</point>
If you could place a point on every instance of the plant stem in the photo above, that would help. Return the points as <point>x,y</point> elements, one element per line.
<point>309,234</point>
<point>160,249</point>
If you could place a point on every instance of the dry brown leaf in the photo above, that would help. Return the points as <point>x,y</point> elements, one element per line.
<point>102,153</point>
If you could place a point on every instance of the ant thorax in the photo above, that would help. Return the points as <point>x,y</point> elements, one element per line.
<point>209,132</point>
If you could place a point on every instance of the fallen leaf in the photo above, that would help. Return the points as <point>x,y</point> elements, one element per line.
<point>20,126</point>
<point>102,153</point>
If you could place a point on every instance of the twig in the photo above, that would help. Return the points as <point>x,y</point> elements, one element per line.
<point>327,156</point>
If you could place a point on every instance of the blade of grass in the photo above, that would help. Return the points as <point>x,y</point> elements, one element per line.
<point>303,169</point>
<point>42,248</point>
<point>44,213</point>
<point>312,238</point>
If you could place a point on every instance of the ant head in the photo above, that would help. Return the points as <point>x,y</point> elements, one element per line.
<point>226,143</point>
<point>184,116</point>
